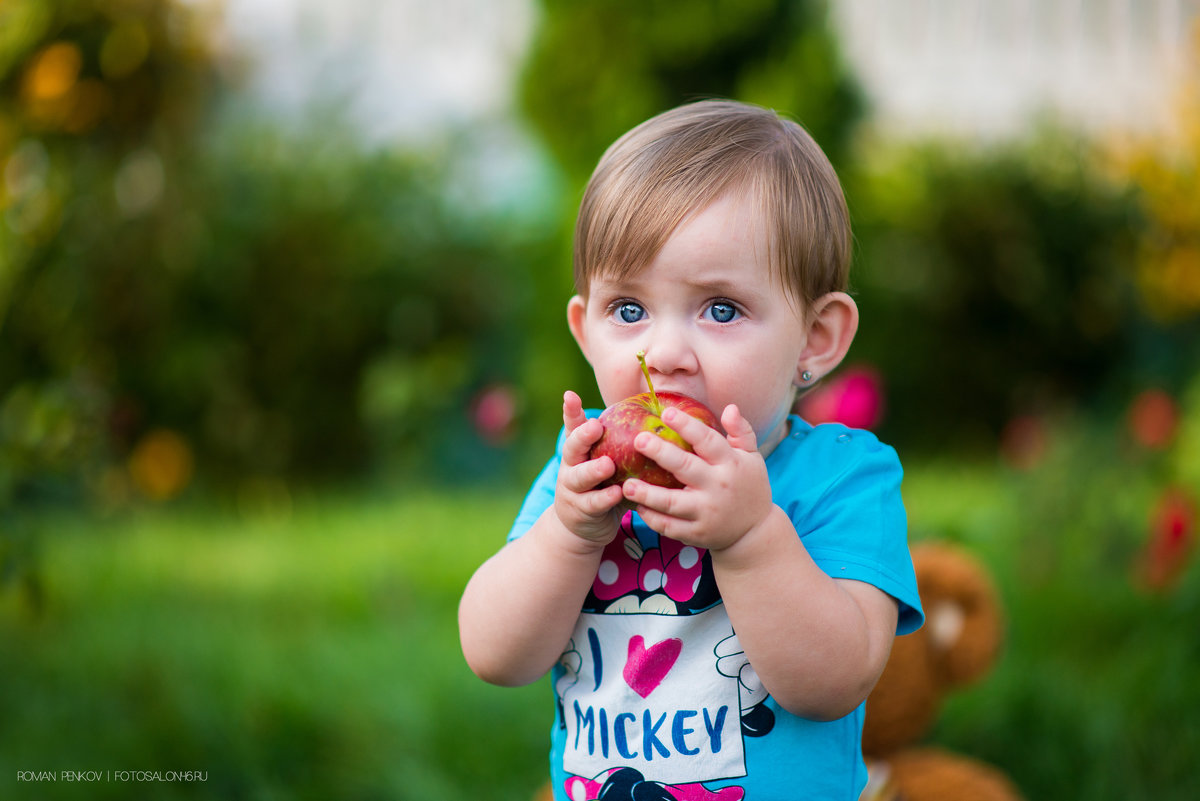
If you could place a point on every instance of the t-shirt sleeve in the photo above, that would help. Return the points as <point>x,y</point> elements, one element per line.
<point>541,494</point>
<point>853,522</point>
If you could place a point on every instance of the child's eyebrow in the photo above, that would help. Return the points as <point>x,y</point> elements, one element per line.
<point>719,286</point>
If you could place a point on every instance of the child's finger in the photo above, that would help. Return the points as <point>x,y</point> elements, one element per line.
<point>585,475</point>
<point>602,501</point>
<point>738,431</point>
<point>661,500</point>
<point>669,456</point>
<point>706,442</point>
<point>580,440</point>
<point>573,415</point>
<point>663,510</point>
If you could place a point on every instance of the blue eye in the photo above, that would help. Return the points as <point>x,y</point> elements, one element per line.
<point>723,312</point>
<point>630,312</point>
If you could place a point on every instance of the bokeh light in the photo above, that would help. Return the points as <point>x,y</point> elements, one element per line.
<point>161,464</point>
<point>1171,539</point>
<point>1152,419</point>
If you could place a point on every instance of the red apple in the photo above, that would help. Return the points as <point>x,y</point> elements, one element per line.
<point>624,420</point>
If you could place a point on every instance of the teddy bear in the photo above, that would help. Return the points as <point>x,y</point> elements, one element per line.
<point>958,644</point>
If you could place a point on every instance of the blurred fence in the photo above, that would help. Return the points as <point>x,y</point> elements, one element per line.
<point>982,68</point>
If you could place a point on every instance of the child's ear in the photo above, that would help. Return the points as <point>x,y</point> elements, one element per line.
<point>832,324</point>
<point>576,313</point>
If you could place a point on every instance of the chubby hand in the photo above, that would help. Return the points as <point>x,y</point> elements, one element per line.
<point>590,513</point>
<point>726,491</point>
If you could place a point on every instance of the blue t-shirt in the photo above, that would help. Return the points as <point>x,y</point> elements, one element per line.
<point>654,687</point>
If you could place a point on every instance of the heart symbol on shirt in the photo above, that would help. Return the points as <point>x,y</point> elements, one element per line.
<point>645,668</point>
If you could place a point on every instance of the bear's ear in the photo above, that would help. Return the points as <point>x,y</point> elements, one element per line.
<point>962,611</point>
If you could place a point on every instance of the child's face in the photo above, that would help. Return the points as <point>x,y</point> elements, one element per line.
<point>711,316</point>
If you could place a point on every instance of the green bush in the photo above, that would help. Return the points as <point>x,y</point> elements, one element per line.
<point>992,282</point>
<point>99,104</point>
<point>249,317</point>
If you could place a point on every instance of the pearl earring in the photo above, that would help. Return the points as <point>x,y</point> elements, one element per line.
<point>806,376</point>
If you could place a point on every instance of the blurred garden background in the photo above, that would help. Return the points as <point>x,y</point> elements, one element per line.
<point>282,344</point>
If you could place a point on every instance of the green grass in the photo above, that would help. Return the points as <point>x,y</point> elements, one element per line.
<point>315,655</point>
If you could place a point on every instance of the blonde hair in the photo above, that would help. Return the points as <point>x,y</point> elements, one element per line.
<point>675,164</point>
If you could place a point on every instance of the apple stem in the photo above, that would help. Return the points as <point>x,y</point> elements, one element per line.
<point>641,355</point>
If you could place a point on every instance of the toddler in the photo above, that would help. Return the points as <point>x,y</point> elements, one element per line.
<point>716,641</point>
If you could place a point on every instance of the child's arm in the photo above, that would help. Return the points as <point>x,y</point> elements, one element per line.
<point>818,644</point>
<point>519,610</point>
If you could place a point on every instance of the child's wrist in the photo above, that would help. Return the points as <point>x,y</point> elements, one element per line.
<point>568,538</point>
<point>753,546</point>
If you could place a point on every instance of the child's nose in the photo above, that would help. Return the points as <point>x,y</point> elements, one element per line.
<point>668,351</point>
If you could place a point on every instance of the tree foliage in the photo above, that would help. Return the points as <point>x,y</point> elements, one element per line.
<point>100,103</point>
<point>597,69</point>
<point>187,297</point>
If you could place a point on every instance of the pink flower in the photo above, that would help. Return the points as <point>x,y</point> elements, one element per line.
<point>494,413</point>
<point>1152,419</point>
<point>1172,537</point>
<point>854,398</point>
